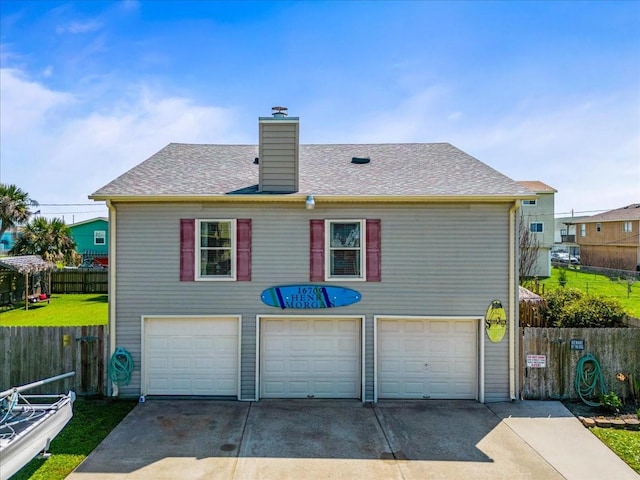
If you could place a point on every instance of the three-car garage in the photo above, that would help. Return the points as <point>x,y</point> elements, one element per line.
<point>311,356</point>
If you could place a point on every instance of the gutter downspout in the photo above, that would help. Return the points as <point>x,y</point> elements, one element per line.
<point>112,294</point>
<point>513,251</point>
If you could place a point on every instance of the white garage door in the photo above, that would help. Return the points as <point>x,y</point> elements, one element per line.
<point>191,356</point>
<point>310,358</point>
<point>420,358</point>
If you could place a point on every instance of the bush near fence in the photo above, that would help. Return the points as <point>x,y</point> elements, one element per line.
<point>29,354</point>
<point>616,349</point>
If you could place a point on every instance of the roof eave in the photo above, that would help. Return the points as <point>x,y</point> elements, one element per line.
<point>298,197</point>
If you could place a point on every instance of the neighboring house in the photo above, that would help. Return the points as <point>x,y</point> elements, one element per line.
<point>565,238</point>
<point>537,215</point>
<point>611,239</point>
<point>6,241</point>
<point>92,240</point>
<point>201,234</point>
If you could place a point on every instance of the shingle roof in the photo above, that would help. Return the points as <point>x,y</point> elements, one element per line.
<point>624,214</point>
<point>537,186</point>
<point>411,169</point>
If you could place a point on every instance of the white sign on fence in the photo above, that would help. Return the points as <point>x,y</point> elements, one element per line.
<point>536,361</point>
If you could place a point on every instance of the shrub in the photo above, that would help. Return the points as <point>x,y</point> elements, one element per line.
<point>571,308</point>
<point>562,277</point>
<point>611,402</point>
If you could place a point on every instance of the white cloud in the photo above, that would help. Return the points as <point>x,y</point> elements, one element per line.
<point>586,148</point>
<point>76,27</point>
<point>25,103</point>
<point>59,158</point>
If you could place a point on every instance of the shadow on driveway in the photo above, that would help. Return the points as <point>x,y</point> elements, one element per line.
<point>292,439</point>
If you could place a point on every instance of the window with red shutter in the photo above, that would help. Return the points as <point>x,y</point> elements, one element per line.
<point>338,254</point>
<point>223,247</point>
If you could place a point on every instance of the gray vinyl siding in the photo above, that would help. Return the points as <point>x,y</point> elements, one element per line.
<point>278,154</point>
<point>436,260</point>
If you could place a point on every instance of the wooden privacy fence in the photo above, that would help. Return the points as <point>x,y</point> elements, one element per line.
<point>617,350</point>
<point>79,281</point>
<point>28,354</point>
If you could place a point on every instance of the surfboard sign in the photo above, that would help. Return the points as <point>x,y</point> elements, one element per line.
<point>309,296</point>
<point>495,321</point>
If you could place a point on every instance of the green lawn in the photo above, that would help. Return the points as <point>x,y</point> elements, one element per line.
<point>64,310</point>
<point>601,285</point>
<point>91,423</point>
<point>624,443</point>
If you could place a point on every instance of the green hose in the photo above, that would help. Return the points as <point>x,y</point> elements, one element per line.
<point>120,367</point>
<point>589,379</point>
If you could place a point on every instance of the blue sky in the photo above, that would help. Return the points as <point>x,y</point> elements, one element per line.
<point>539,90</point>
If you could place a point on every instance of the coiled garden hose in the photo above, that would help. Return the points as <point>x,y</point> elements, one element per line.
<point>120,367</point>
<point>589,379</point>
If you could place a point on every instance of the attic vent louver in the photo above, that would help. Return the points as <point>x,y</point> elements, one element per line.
<point>360,160</point>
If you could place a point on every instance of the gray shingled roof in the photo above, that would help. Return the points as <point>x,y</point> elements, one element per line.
<point>624,214</point>
<point>409,169</point>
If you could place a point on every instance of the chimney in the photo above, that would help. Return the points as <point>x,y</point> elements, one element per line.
<point>278,152</point>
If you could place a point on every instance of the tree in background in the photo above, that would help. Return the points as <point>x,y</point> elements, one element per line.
<point>51,239</point>
<point>15,207</point>
<point>529,249</point>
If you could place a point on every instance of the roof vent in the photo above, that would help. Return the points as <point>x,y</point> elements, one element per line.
<point>256,161</point>
<point>280,111</point>
<point>360,160</point>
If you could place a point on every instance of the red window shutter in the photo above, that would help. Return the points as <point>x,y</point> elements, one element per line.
<point>316,260</point>
<point>374,249</point>
<point>243,249</point>
<point>187,249</point>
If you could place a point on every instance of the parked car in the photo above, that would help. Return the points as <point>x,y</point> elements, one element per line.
<point>564,258</point>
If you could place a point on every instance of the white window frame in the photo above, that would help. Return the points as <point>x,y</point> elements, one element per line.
<point>598,227</point>
<point>627,227</point>
<point>328,249</point>
<point>100,235</point>
<point>529,203</point>
<point>583,229</point>
<point>198,251</point>
<point>536,231</point>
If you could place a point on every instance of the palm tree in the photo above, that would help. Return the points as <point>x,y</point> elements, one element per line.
<point>51,239</point>
<point>14,207</point>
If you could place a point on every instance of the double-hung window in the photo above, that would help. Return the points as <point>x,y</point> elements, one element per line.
<point>345,252</point>
<point>626,227</point>
<point>99,237</point>
<point>536,227</point>
<point>215,250</point>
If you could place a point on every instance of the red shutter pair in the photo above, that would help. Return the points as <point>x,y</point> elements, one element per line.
<point>188,245</point>
<point>243,250</point>
<point>374,257</point>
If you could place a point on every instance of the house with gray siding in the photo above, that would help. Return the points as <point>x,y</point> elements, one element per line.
<point>285,270</point>
<point>537,216</point>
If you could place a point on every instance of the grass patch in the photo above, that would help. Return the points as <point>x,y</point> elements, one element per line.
<point>599,285</point>
<point>91,423</point>
<point>624,443</point>
<point>64,310</point>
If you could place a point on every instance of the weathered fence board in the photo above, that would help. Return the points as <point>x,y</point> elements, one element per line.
<point>79,281</point>
<point>34,353</point>
<point>616,350</point>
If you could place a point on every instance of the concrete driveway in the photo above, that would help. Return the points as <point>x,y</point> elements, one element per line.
<point>321,439</point>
